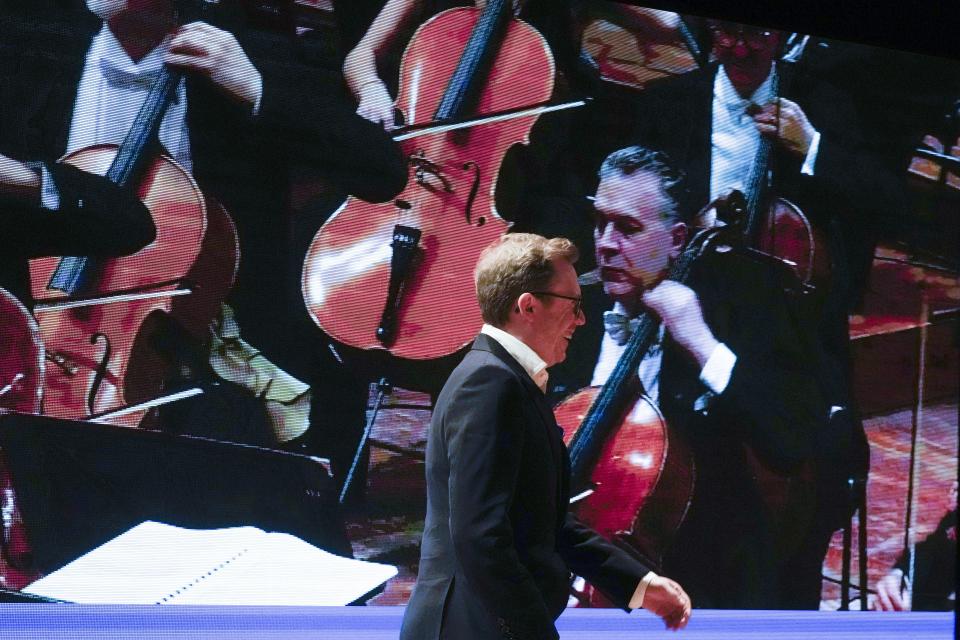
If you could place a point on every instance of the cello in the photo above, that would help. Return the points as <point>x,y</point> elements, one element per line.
<point>634,476</point>
<point>21,386</point>
<point>105,322</point>
<point>397,277</point>
<point>774,225</point>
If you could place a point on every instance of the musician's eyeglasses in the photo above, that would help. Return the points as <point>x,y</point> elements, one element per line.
<point>577,302</point>
<point>727,35</point>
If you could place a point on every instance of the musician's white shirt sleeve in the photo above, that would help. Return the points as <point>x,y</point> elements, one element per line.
<point>810,161</point>
<point>716,372</point>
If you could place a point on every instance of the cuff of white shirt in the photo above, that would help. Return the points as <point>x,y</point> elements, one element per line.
<point>636,602</point>
<point>49,194</point>
<point>811,160</point>
<point>716,372</point>
<point>258,101</point>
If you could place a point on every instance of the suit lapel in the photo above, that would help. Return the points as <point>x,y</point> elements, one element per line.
<point>484,342</point>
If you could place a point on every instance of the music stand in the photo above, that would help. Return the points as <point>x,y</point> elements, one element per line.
<point>80,484</point>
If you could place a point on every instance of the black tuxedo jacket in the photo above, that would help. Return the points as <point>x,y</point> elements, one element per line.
<point>240,160</point>
<point>498,543</point>
<point>724,553</point>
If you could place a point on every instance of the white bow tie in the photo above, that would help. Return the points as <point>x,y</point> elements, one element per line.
<point>124,79</point>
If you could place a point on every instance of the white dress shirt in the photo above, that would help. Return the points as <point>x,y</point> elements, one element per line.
<point>111,92</point>
<point>531,362</point>
<point>734,137</point>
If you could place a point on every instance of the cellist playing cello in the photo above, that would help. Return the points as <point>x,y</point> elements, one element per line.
<point>235,126</point>
<point>712,122</point>
<point>728,370</point>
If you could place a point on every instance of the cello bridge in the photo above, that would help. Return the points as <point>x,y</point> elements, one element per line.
<point>426,172</point>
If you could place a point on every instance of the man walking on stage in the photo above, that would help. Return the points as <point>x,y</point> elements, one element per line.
<point>498,544</point>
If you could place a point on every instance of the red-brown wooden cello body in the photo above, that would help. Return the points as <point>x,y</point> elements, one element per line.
<point>398,276</point>
<point>101,320</point>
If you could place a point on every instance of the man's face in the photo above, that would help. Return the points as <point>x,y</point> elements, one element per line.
<point>560,317</point>
<point>634,243</point>
<point>745,52</point>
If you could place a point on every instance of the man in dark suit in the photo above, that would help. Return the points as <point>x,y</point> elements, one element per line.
<point>498,543</point>
<point>934,571</point>
<point>729,372</point>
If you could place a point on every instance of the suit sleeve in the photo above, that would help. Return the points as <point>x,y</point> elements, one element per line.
<point>308,113</point>
<point>484,433</point>
<point>96,218</point>
<point>305,117</point>
<point>607,567</point>
<point>772,395</point>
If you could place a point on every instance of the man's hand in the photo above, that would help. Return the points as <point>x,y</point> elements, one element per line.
<point>216,54</point>
<point>679,309</point>
<point>889,597</point>
<point>785,122</point>
<point>667,599</point>
<point>375,103</point>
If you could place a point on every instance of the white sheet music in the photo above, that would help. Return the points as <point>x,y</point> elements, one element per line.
<point>163,564</point>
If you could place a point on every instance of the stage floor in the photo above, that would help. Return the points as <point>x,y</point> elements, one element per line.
<point>50,622</point>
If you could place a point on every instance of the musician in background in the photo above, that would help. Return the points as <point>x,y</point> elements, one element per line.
<point>710,122</point>
<point>537,188</point>
<point>245,111</point>
<point>728,371</point>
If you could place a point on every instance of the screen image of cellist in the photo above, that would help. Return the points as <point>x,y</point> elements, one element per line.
<point>257,221</point>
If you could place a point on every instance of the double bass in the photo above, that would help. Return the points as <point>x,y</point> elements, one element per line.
<point>397,277</point>
<point>107,323</point>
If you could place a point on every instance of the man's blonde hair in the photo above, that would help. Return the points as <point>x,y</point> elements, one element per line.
<point>515,264</point>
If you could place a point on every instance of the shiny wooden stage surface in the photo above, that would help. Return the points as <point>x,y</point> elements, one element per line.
<point>36,621</point>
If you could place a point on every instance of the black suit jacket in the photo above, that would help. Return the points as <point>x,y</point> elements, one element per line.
<point>498,544</point>
<point>724,554</point>
<point>242,161</point>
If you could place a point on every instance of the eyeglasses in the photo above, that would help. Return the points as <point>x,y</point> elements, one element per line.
<point>727,35</point>
<point>577,302</point>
